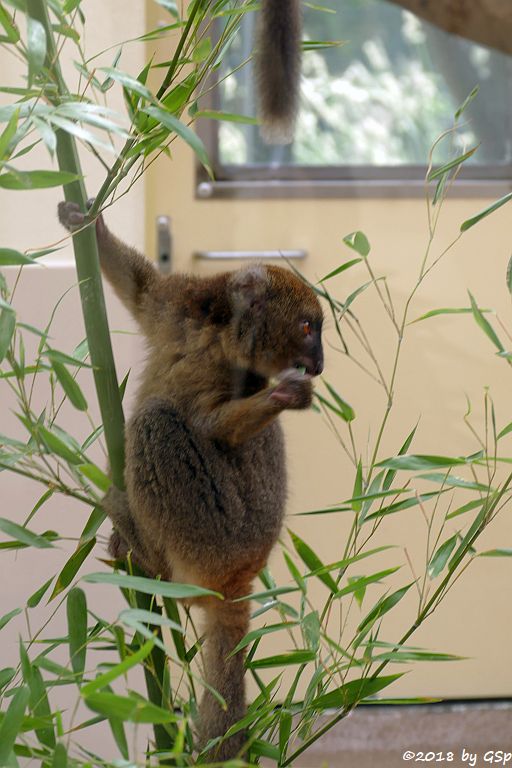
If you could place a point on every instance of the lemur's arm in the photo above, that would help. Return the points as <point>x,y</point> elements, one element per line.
<point>238,420</point>
<point>132,276</point>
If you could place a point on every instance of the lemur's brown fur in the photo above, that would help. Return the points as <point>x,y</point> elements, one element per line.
<point>278,59</point>
<point>205,472</point>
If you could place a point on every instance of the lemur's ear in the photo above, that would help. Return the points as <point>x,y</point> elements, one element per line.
<point>248,289</point>
<point>207,300</point>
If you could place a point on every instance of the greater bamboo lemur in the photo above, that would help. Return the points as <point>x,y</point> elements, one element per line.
<point>205,467</point>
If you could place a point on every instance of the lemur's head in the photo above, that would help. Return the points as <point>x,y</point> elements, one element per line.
<point>276,321</point>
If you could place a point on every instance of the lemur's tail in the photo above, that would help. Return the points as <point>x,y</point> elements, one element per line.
<point>278,58</point>
<point>227,623</point>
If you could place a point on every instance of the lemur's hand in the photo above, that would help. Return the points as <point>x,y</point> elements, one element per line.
<point>293,390</point>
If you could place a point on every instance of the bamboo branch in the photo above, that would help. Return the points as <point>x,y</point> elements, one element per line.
<point>89,276</point>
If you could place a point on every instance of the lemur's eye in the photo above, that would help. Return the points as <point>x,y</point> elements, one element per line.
<point>306,328</point>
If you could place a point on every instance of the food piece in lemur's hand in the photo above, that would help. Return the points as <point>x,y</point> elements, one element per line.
<point>278,60</point>
<point>205,468</point>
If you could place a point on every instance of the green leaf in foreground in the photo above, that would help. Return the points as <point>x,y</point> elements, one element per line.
<point>447,311</point>
<point>383,606</point>
<point>358,242</point>
<point>8,616</point>
<point>436,173</point>
<point>502,552</point>
<point>283,660</point>
<point>136,710</point>
<point>229,117</point>
<point>69,385</point>
<point>10,257</point>
<point>7,328</point>
<point>441,557</point>
<point>76,606</point>
<point>149,586</point>
<point>486,212</point>
<point>11,723</point>
<point>183,131</point>
<point>352,692</point>
<point>60,756</point>
<point>72,567</point>
<point>420,462</point>
<point>485,324</point>
<point>23,535</point>
<point>119,669</point>
<point>312,561</point>
<point>340,269</point>
<point>35,179</point>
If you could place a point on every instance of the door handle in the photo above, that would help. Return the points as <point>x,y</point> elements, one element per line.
<point>280,255</point>
<point>164,244</point>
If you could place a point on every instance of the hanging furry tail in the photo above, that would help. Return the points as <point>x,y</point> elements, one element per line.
<point>227,623</point>
<point>278,59</point>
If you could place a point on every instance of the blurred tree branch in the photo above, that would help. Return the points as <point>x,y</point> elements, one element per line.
<point>487,22</point>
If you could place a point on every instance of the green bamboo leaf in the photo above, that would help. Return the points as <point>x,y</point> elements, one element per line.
<point>383,606</point>
<point>403,657</point>
<point>352,692</point>
<point>465,508</point>
<point>130,83</point>
<point>47,134</point>
<point>5,305</point>
<point>7,328</point>
<point>11,723</point>
<point>187,134</point>
<point>61,357</point>
<point>295,573</point>
<point>358,488</point>
<point>36,47</point>
<point>285,729</point>
<point>23,535</point>
<point>435,173</point>
<point>149,586</point>
<point>496,553</point>
<point>136,710</point>
<point>311,630</point>
<point>6,675</point>
<point>346,411</point>
<point>391,474</point>
<point>10,257</point>
<point>283,660</point>
<point>69,385</point>
<point>455,482</point>
<point>228,117</point>
<point>40,707</point>
<point>447,311</point>
<point>340,269</point>
<point>25,180</point>
<point>93,524</point>
<point>399,506</point>
<point>38,595</point>
<point>96,476</point>
<point>9,26</point>
<point>8,616</point>
<point>486,212</point>
<point>485,324</point>
<point>255,634</point>
<point>418,462</point>
<point>467,101</point>
<point>441,557</point>
<point>9,131</point>
<point>55,444</point>
<point>119,669</point>
<point>60,756</point>
<point>76,607</point>
<point>364,581</point>
<point>72,567</point>
<point>358,242</point>
<point>312,560</point>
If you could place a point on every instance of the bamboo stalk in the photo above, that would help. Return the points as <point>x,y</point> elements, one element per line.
<point>88,270</point>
